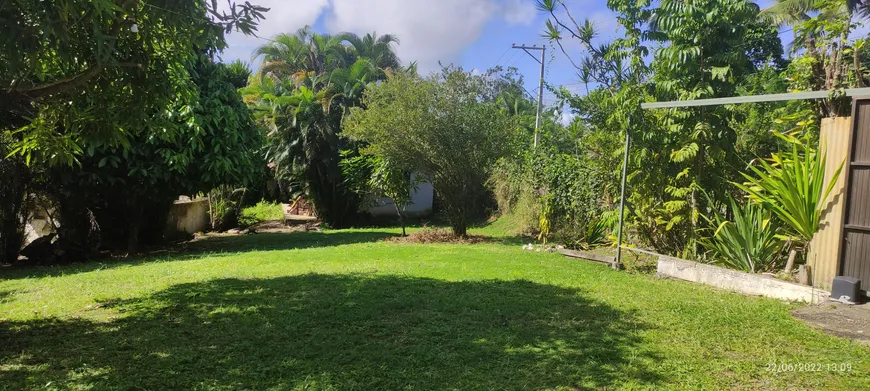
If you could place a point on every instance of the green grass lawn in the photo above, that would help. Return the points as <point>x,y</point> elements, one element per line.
<point>347,310</point>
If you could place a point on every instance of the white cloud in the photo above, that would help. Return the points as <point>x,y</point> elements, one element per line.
<point>567,117</point>
<point>284,16</point>
<point>429,30</point>
<point>519,12</point>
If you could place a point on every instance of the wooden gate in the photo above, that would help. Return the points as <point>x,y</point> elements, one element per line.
<point>855,252</point>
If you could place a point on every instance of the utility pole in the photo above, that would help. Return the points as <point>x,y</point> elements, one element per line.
<point>543,50</point>
<point>620,233</point>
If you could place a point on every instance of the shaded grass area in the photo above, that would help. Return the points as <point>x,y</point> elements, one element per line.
<point>346,332</point>
<point>214,246</point>
<point>348,310</point>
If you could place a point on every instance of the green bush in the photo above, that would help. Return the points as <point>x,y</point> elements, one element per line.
<point>554,194</point>
<point>749,243</point>
<point>511,185</point>
<point>262,211</point>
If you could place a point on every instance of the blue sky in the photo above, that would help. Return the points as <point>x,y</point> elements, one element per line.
<point>476,34</point>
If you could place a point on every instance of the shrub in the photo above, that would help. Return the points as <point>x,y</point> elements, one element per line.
<point>262,211</point>
<point>223,207</point>
<point>555,194</point>
<point>588,234</point>
<point>445,128</point>
<point>791,185</point>
<point>515,195</point>
<point>749,243</point>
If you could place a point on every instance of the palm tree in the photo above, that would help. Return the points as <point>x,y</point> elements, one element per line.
<point>348,84</point>
<point>306,85</point>
<point>794,12</point>
<point>832,69</point>
<point>378,49</point>
<point>305,50</point>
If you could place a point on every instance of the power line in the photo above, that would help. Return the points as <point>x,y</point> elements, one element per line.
<point>502,56</point>
<point>516,61</point>
<point>543,63</point>
<point>510,58</point>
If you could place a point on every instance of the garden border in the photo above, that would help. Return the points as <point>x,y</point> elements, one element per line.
<point>737,281</point>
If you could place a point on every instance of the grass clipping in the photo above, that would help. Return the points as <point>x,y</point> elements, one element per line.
<point>438,235</point>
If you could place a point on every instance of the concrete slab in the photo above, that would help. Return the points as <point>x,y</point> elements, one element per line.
<point>842,320</point>
<point>733,280</point>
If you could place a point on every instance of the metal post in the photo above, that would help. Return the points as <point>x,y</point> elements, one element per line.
<point>538,118</point>
<point>622,197</point>
<point>540,99</point>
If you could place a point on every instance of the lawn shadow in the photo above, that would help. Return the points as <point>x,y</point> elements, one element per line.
<point>336,332</point>
<point>212,246</point>
<point>279,241</point>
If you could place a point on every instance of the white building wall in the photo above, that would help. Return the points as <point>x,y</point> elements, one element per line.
<point>421,202</point>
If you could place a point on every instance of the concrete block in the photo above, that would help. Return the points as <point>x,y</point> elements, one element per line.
<point>737,281</point>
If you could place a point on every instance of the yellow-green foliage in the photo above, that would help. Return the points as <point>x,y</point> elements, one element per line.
<point>262,211</point>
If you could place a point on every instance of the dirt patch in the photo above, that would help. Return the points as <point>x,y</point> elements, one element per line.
<point>842,320</point>
<point>438,235</point>
<point>278,226</point>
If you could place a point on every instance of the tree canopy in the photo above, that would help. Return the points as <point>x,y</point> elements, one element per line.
<point>447,128</point>
<point>115,106</point>
<point>75,75</point>
<point>302,92</point>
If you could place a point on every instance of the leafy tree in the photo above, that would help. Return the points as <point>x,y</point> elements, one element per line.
<point>77,68</point>
<point>447,128</point>
<point>706,49</point>
<point>306,86</point>
<point>374,178</point>
<point>130,189</point>
<point>826,57</point>
<point>78,78</point>
<point>712,46</point>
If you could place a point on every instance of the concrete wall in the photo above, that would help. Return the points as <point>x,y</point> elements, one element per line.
<point>36,228</point>
<point>835,141</point>
<point>421,202</point>
<point>188,217</point>
<point>733,280</point>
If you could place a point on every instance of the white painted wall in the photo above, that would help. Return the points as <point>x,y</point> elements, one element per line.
<point>36,228</point>
<point>188,216</point>
<point>421,202</point>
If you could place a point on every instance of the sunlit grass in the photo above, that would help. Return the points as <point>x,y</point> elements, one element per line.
<point>348,310</point>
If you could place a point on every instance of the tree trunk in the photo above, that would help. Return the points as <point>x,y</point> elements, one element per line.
<point>401,218</point>
<point>75,234</point>
<point>14,179</point>
<point>789,265</point>
<point>457,213</point>
<point>136,209</point>
<point>460,230</point>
